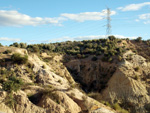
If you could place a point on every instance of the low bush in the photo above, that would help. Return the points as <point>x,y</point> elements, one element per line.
<point>19,59</point>
<point>136,77</point>
<point>136,68</point>
<point>51,92</point>
<point>106,103</point>
<point>120,58</point>
<point>1,45</point>
<point>7,52</point>
<point>12,84</point>
<point>10,100</point>
<point>117,107</point>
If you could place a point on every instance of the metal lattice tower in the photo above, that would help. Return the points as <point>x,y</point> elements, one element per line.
<point>108,29</point>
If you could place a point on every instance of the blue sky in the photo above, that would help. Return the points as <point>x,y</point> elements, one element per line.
<point>44,21</point>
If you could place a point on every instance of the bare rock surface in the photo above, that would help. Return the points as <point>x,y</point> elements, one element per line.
<point>23,104</point>
<point>34,97</point>
<point>102,110</point>
<point>126,86</point>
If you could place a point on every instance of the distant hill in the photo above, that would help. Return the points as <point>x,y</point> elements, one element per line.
<point>91,76</point>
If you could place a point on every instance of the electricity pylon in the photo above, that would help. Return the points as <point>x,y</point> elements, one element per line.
<point>108,26</point>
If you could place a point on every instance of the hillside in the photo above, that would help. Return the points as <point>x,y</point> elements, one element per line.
<point>91,76</point>
<point>29,85</point>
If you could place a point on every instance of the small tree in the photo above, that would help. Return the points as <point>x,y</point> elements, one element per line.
<point>139,39</point>
<point>36,48</point>
<point>111,37</point>
<point>15,44</point>
<point>23,45</point>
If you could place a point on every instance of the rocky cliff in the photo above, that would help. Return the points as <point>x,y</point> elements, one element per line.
<point>95,76</point>
<point>125,82</point>
<point>41,87</point>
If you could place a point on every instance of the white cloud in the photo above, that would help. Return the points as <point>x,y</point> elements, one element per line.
<point>80,38</point>
<point>14,18</point>
<point>9,39</point>
<point>145,17</point>
<point>121,36</point>
<point>7,7</point>
<point>137,20</point>
<point>133,7</point>
<point>147,22</point>
<point>81,17</point>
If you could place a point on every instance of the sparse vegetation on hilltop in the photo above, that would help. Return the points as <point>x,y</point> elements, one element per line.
<point>91,63</point>
<point>81,49</point>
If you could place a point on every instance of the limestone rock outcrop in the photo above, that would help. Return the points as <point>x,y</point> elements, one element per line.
<point>125,82</point>
<point>127,85</point>
<point>44,89</point>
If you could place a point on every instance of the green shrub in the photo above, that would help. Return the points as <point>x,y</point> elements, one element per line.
<point>139,39</point>
<point>50,92</point>
<point>135,51</point>
<point>147,107</point>
<point>79,55</point>
<point>15,45</point>
<point>10,100</point>
<point>136,77</point>
<point>112,38</point>
<point>32,76</point>
<point>98,53</point>
<point>117,107</point>
<point>120,58</point>
<point>3,71</point>
<point>110,59</point>
<point>46,59</point>
<point>29,70</point>
<point>136,68</point>
<point>1,45</point>
<point>12,84</point>
<point>4,74</point>
<point>107,104</point>
<point>7,52</point>
<point>19,59</point>
<point>35,48</point>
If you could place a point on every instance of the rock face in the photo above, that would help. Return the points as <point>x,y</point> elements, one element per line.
<point>23,104</point>
<point>3,108</point>
<point>92,75</point>
<point>126,82</point>
<point>102,110</point>
<point>50,85</point>
<point>86,103</point>
<point>51,106</point>
<point>64,104</point>
<point>127,85</point>
<point>45,90</point>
